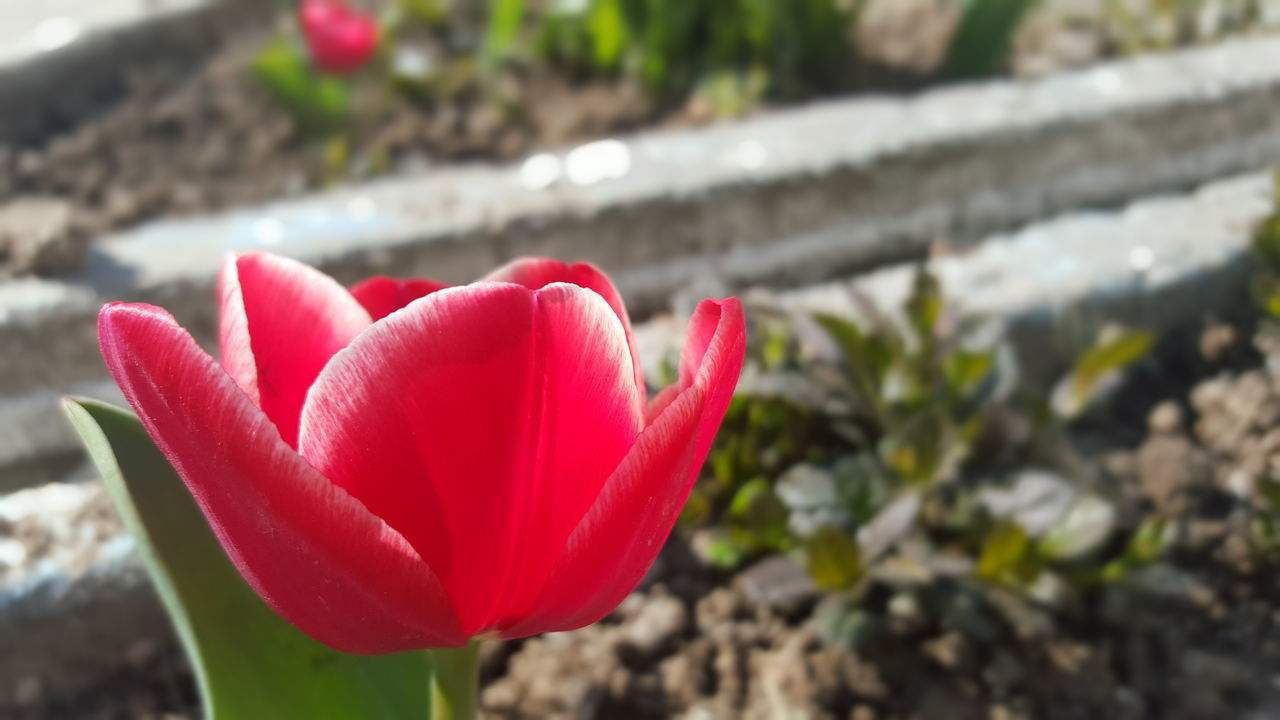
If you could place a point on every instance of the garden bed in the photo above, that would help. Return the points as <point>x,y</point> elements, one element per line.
<point>1190,438</point>
<point>1192,633</point>
<point>183,142</point>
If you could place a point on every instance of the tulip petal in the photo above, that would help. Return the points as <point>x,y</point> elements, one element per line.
<point>383,295</point>
<point>712,358</point>
<point>536,273</point>
<point>481,422</point>
<point>280,323</point>
<point>620,536</point>
<point>309,549</point>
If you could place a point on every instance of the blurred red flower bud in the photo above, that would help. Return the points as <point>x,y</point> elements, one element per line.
<point>341,40</point>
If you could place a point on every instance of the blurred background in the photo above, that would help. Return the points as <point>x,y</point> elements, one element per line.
<point>1006,445</point>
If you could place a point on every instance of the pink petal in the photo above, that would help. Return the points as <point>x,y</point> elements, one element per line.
<point>474,422</point>
<point>615,544</point>
<point>712,358</point>
<point>310,550</point>
<point>280,323</point>
<point>382,295</point>
<point>535,273</point>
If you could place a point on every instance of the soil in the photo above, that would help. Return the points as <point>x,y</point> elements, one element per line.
<point>1196,637</point>
<point>180,144</point>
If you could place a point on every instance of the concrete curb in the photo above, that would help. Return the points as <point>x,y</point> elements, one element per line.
<point>786,198</point>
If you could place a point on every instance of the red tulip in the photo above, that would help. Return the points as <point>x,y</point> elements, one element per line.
<point>404,466</point>
<point>340,39</point>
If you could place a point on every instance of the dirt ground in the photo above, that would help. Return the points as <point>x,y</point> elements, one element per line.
<point>1195,637</point>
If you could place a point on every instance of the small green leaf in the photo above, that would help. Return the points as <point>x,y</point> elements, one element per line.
<point>835,561</point>
<point>317,102</point>
<point>1114,352</point>
<point>1269,490</point>
<point>732,93</point>
<point>608,33</point>
<point>924,306</point>
<point>1005,554</point>
<point>982,43</point>
<point>696,509</point>
<point>867,358</point>
<point>249,662</point>
<point>1145,547</point>
<point>505,19</point>
<point>839,622</point>
<point>427,12</point>
<point>722,553</point>
<point>964,370</point>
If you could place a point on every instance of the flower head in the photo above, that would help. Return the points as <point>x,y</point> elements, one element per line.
<point>409,465</point>
<point>341,40</point>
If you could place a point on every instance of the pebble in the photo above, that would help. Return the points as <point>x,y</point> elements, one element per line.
<point>778,583</point>
<point>28,691</point>
<point>658,624</point>
<point>1165,417</point>
<point>37,235</point>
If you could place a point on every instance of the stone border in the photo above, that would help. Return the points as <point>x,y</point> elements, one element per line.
<point>785,198</point>
<point>1158,263</point>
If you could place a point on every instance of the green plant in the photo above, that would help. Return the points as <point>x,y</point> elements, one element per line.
<point>1135,26</point>
<point>850,438</point>
<point>318,103</point>
<point>982,42</point>
<point>219,620</point>
<point>673,46</point>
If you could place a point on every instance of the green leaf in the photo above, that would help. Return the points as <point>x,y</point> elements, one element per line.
<point>722,553</point>
<point>758,519</point>
<point>1006,555</point>
<point>924,306</point>
<point>835,561</point>
<point>696,509</point>
<point>608,33</point>
<point>867,358</point>
<point>1144,548</point>
<point>1113,353</point>
<point>427,12</point>
<point>982,43</point>
<point>249,662</point>
<point>317,102</point>
<point>505,18</point>
<point>731,93</point>
<point>964,370</point>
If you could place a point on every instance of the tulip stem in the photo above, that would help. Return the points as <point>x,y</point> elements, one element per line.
<point>455,681</point>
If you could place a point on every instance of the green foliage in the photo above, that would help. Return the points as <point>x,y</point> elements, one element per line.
<point>728,56</point>
<point>248,662</point>
<point>505,20</point>
<point>1145,547</point>
<point>317,102</point>
<point>1007,556</point>
<point>891,445</point>
<point>1265,284</point>
<point>984,39</point>
<point>835,560</point>
<point>1135,26</point>
<point>1114,352</point>
<point>426,12</point>
<point>736,46</point>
